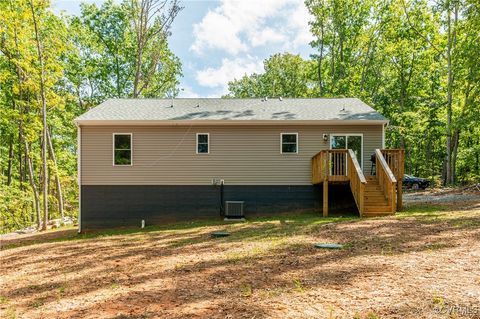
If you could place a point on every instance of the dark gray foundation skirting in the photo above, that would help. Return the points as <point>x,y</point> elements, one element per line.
<point>126,205</point>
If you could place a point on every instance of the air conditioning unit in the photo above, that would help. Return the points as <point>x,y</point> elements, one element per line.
<point>234,210</point>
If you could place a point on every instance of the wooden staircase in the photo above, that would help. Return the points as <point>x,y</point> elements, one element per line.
<point>377,195</point>
<point>375,202</point>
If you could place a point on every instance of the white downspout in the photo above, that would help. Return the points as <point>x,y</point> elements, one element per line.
<point>383,135</point>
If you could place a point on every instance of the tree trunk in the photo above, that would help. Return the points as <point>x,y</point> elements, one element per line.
<point>146,32</point>
<point>402,103</point>
<point>320,60</point>
<point>117,71</point>
<point>365,64</point>
<point>320,56</point>
<point>10,161</point>
<point>451,31</point>
<point>430,158</point>
<point>57,179</point>
<point>140,33</point>
<point>137,73</point>
<point>477,161</point>
<point>44,119</point>
<point>332,91</point>
<point>31,178</point>
<point>456,139</point>
<point>20,162</point>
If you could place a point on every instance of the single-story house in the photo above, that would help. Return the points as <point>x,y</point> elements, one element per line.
<point>155,160</point>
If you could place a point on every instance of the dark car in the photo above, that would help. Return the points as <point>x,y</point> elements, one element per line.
<point>413,182</point>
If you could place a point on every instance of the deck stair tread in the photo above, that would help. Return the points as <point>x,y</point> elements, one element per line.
<point>375,202</point>
<point>376,214</point>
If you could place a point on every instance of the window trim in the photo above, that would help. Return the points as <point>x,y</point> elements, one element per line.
<point>347,135</point>
<point>113,149</point>
<point>281,143</point>
<point>208,143</point>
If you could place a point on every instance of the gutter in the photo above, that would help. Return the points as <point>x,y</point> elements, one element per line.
<point>226,122</point>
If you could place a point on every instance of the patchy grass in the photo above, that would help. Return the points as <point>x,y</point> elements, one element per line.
<point>265,227</point>
<point>428,214</point>
<point>298,286</point>
<point>266,268</point>
<point>425,213</point>
<point>38,302</point>
<point>10,313</point>
<point>114,285</point>
<point>246,290</point>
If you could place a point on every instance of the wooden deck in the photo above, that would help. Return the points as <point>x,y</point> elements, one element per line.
<point>380,194</point>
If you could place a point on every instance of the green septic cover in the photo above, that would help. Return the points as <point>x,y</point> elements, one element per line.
<point>329,246</point>
<point>220,234</point>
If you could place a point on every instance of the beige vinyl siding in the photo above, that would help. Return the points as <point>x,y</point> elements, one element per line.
<point>241,155</point>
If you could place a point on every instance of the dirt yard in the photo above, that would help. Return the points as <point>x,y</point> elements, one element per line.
<point>422,263</point>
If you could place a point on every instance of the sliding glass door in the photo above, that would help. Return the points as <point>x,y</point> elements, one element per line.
<point>348,141</point>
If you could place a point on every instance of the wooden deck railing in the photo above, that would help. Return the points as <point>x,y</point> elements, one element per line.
<point>357,181</point>
<point>339,165</point>
<point>395,159</point>
<point>338,161</point>
<point>331,165</point>
<point>386,179</point>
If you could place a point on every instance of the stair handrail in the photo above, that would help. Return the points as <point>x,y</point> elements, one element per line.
<point>395,159</point>
<point>357,181</point>
<point>386,179</point>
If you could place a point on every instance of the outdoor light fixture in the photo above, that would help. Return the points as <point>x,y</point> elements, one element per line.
<point>325,137</point>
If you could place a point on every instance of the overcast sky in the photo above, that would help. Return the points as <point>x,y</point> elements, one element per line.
<point>218,41</point>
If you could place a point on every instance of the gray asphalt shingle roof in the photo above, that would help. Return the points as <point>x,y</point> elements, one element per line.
<point>187,109</point>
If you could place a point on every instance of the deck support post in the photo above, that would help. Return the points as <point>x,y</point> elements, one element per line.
<point>361,208</point>
<point>325,198</point>
<point>326,166</point>
<point>399,195</point>
<point>401,171</point>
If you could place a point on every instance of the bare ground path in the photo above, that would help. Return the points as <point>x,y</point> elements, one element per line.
<point>418,264</point>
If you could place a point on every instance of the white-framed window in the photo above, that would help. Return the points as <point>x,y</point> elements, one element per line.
<point>289,143</point>
<point>122,149</point>
<point>353,141</point>
<point>203,143</point>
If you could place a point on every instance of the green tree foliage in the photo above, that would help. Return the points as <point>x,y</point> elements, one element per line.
<point>29,31</point>
<point>285,75</point>
<point>61,66</point>
<point>417,62</point>
<point>122,55</point>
